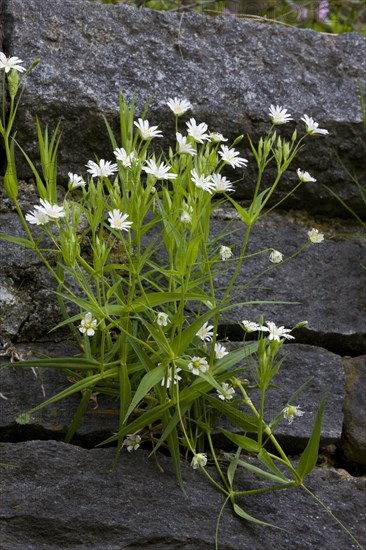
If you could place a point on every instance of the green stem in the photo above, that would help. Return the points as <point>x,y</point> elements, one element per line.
<point>263,490</point>
<point>216,461</point>
<point>269,432</point>
<point>218,523</point>
<point>238,265</point>
<point>325,507</point>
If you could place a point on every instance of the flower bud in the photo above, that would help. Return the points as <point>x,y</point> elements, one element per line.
<point>300,325</point>
<point>13,83</point>
<point>286,150</point>
<point>11,183</point>
<point>238,140</point>
<point>69,245</point>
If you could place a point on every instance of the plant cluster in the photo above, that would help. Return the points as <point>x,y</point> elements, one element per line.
<point>136,265</point>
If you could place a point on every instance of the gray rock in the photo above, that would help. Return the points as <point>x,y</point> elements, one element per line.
<point>323,373</point>
<point>353,443</point>
<point>28,304</point>
<point>326,281</point>
<point>56,496</point>
<point>324,285</point>
<point>25,388</point>
<point>90,52</point>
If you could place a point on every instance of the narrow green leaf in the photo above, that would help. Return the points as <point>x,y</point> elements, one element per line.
<point>150,379</point>
<point>265,458</point>
<point>242,441</point>
<point>42,191</point>
<point>173,445</point>
<point>110,134</point>
<point>16,240</point>
<point>232,467</point>
<point>87,382</point>
<point>76,363</point>
<point>83,405</point>
<point>262,473</point>
<point>245,216</point>
<point>149,417</point>
<point>244,421</point>
<point>175,418</point>
<point>183,340</point>
<point>256,206</point>
<point>158,298</point>
<point>240,512</point>
<point>309,456</point>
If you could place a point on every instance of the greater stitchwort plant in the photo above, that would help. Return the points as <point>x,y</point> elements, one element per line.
<point>136,267</point>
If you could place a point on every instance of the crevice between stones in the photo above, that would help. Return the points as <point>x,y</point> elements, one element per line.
<point>351,345</point>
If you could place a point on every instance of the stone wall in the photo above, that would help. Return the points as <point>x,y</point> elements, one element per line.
<point>231,71</point>
<point>56,495</point>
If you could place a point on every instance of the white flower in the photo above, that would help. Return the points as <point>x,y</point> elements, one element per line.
<point>105,168</point>
<point>179,106</point>
<point>250,326</point>
<point>162,319</point>
<point>88,325</point>
<point>227,392</point>
<point>230,156</point>
<point>117,220</point>
<point>184,147</point>
<point>132,442</point>
<point>197,365</point>
<point>202,181</point>
<point>169,378</point>
<point>275,333</point>
<point>312,127</point>
<point>147,131</point>
<point>225,253</point>
<point>275,257</point>
<point>75,181</point>
<point>9,63</point>
<point>38,217</point>
<point>51,210</point>
<point>220,351</point>
<point>279,115</point>
<point>199,459</point>
<point>126,159</point>
<point>206,333</point>
<point>222,184</point>
<point>290,411</point>
<point>197,132</point>
<point>160,172</point>
<point>315,236</point>
<point>216,137</point>
<point>185,217</point>
<point>187,210</point>
<point>305,177</point>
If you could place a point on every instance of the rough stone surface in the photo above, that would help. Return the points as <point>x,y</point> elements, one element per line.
<point>27,303</point>
<point>325,283</point>
<point>24,388</point>
<point>313,279</point>
<point>324,373</point>
<point>59,496</point>
<point>90,52</point>
<point>353,444</point>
